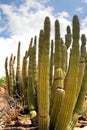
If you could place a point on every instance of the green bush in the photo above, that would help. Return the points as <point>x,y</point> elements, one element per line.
<point>2,81</point>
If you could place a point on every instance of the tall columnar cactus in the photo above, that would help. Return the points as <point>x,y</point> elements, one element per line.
<point>64,58</point>
<point>31,77</point>
<point>43,77</point>
<point>34,66</point>
<point>58,96</point>
<point>68,37</point>
<point>81,82</point>
<point>24,78</point>
<point>57,58</point>
<point>11,75</point>
<point>57,92</point>
<point>7,75</point>
<point>51,63</point>
<point>71,83</point>
<point>14,75</point>
<point>18,73</point>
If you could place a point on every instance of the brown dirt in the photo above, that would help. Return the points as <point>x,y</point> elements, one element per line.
<point>10,117</point>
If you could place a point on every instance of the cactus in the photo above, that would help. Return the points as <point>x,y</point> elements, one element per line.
<point>68,37</point>
<point>32,76</point>
<point>7,75</point>
<point>43,77</point>
<point>58,97</point>
<point>81,76</point>
<point>24,78</point>
<point>14,75</point>
<point>34,66</point>
<point>64,57</point>
<point>71,85</point>
<point>18,88</point>
<point>11,75</point>
<point>51,64</point>
<point>55,96</point>
<point>57,57</point>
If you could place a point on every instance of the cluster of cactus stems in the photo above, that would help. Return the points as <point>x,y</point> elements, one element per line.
<point>54,89</point>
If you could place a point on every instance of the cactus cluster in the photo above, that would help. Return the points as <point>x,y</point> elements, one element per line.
<point>53,88</point>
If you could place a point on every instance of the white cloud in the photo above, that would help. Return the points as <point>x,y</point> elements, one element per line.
<point>80,9</point>
<point>84,26</point>
<point>63,14</point>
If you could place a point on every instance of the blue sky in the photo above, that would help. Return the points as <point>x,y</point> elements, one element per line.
<point>22,19</point>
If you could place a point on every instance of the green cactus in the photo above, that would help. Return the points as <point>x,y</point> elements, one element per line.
<point>7,75</point>
<point>14,75</point>
<point>24,78</point>
<point>68,37</point>
<point>57,57</point>
<point>18,88</point>
<point>81,76</point>
<point>64,58</point>
<point>58,97</point>
<point>55,96</point>
<point>51,64</point>
<point>71,84</point>
<point>34,66</point>
<point>43,77</point>
<point>32,76</point>
<point>11,75</point>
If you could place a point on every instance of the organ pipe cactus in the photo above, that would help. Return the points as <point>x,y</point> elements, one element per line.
<point>24,78</point>
<point>14,75</point>
<point>34,66</point>
<point>57,58</point>
<point>32,76</point>
<point>7,75</point>
<point>43,77</point>
<point>51,63</point>
<point>58,96</point>
<point>55,96</point>
<point>71,83</point>
<point>68,37</point>
<point>18,88</point>
<point>64,57</point>
<point>11,75</point>
<point>81,82</point>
